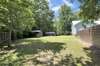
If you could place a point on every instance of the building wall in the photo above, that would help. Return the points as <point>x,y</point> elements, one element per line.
<point>74,28</point>
<point>96,35</point>
<point>85,35</point>
<point>91,35</point>
<point>77,26</point>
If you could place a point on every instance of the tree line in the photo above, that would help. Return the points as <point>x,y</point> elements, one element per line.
<point>22,16</point>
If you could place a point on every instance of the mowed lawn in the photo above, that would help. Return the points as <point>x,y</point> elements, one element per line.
<point>45,51</point>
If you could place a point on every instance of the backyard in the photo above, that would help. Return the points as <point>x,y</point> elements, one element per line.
<point>49,33</point>
<point>46,51</point>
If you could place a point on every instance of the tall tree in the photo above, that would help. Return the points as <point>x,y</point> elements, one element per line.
<point>43,15</point>
<point>90,9</point>
<point>66,17</point>
<point>16,15</point>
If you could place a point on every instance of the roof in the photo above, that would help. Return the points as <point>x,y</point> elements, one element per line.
<point>36,31</point>
<point>76,22</point>
<point>97,22</point>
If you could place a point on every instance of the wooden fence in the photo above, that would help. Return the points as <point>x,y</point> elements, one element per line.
<point>5,37</point>
<point>91,35</point>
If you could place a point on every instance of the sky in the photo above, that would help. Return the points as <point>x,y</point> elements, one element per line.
<point>56,4</point>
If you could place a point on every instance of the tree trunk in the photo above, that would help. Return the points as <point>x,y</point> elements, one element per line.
<point>15,36</point>
<point>9,40</point>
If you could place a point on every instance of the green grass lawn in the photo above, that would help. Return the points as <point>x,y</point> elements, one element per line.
<point>45,51</point>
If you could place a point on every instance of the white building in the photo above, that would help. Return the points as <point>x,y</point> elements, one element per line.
<point>78,26</point>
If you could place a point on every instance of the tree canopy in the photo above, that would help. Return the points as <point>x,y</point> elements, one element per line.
<point>90,9</point>
<point>16,14</point>
<point>65,18</point>
<point>43,15</point>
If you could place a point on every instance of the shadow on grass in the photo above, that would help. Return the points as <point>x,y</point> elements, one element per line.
<point>28,47</point>
<point>27,51</point>
<point>94,54</point>
<point>35,46</point>
<point>69,60</point>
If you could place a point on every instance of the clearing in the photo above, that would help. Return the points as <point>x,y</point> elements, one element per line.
<point>46,51</point>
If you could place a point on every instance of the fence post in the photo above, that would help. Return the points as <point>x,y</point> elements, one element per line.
<point>9,38</point>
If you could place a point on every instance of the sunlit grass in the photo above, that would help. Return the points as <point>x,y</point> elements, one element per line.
<point>26,50</point>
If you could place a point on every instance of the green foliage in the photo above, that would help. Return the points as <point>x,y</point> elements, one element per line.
<point>65,19</point>
<point>58,48</point>
<point>16,15</point>
<point>22,15</point>
<point>90,9</point>
<point>42,15</point>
